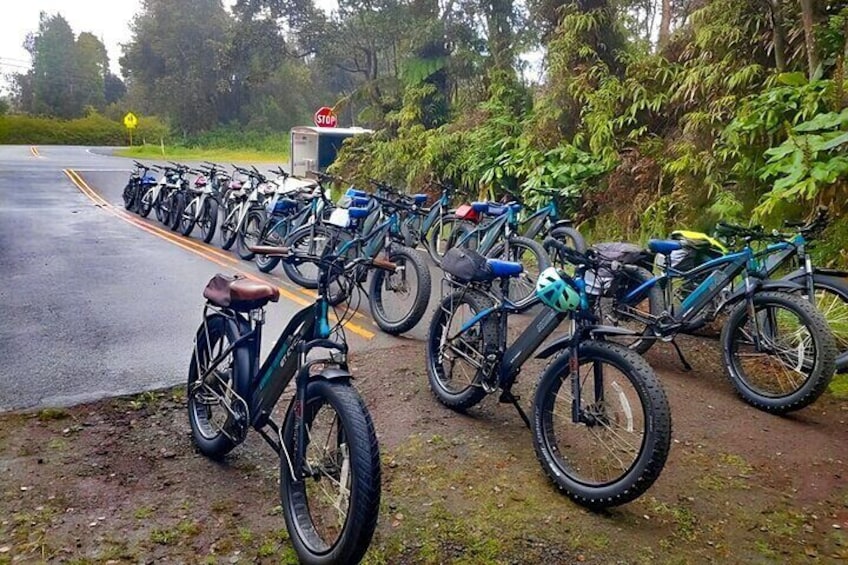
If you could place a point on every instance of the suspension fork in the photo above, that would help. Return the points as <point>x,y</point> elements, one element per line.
<point>574,372</point>
<point>752,312</point>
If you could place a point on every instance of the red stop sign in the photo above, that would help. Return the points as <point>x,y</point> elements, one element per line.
<point>325,117</point>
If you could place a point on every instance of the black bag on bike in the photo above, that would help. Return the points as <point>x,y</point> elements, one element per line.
<point>465,265</point>
<point>626,253</point>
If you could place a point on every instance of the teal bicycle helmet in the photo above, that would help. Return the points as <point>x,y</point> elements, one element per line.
<point>555,292</point>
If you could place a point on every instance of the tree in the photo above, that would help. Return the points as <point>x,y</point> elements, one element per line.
<point>808,17</point>
<point>53,50</point>
<point>67,75</point>
<point>665,24</point>
<point>90,70</point>
<point>114,88</point>
<point>175,60</point>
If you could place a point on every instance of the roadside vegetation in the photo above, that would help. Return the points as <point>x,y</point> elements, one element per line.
<point>218,145</point>
<point>649,115</point>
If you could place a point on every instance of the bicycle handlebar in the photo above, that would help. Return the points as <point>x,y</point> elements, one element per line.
<point>329,262</point>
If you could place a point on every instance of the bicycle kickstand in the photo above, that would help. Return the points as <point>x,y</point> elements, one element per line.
<point>686,365</point>
<point>508,398</point>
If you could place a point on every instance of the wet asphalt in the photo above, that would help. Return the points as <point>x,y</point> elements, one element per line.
<point>91,305</point>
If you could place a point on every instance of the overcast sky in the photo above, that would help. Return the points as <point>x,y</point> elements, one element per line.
<point>107,19</point>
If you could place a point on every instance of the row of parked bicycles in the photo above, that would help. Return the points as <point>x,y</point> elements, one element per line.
<point>600,419</point>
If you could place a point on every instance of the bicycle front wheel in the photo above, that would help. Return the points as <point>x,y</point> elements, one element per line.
<point>399,299</point>
<point>457,345</point>
<point>619,446</point>
<point>331,512</point>
<point>783,357</point>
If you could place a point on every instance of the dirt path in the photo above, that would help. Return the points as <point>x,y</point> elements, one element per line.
<point>119,481</point>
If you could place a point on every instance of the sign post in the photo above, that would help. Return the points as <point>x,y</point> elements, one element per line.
<point>130,121</point>
<point>325,117</point>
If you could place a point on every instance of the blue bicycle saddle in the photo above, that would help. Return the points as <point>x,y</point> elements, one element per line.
<point>358,213</point>
<point>419,199</point>
<point>664,246</point>
<point>504,268</point>
<point>353,192</point>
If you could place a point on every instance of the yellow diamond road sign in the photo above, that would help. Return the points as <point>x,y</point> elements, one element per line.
<point>130,120</point>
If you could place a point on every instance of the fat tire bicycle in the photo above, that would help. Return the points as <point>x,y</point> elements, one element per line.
<point>592,395</point>
<point>326,440</point>
<point>766,370</point>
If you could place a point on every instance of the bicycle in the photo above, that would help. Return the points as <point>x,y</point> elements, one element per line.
<point>410,283</point>
<point>239,201</point>
<point>326,441</point>
<point>436,227</point>
<point>607,391</point>
<point>154,197</point>
<point>202,208</point>
<point>778,350</point>
<point>283,211</point>
<point>827,289</point>
<point>139,182</point>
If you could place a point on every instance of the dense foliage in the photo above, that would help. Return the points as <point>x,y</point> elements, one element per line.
<point>94,129</point>
<point>647,114</point>
<point>724,117</point>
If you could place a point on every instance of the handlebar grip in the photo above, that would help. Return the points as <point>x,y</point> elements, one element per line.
<point>384,264</point>
<point>271,251</point>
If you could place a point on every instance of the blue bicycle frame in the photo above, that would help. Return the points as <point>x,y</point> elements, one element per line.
<point>722,271</point>
<point>491,231</point>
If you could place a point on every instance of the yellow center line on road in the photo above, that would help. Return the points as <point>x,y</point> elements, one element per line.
<point>34,150</point>
<point>208,253</point>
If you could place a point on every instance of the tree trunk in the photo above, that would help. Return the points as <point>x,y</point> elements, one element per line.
<point>808,19</point>
<point>778,35</point>
<point>498,16</point>
<point>665,25</point>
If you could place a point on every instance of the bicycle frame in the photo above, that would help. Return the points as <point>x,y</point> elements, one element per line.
<point>536,221</point>
<point>370,244</point>
<point>491,231</point>
<point>722,272</point>
<point>507,361</point>
<point>307,330</point>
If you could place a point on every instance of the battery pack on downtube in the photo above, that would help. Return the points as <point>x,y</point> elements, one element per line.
<point>705,291</point>
<point>538,331</point>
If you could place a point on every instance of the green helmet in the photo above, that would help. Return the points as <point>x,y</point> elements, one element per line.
<point>555,292</point>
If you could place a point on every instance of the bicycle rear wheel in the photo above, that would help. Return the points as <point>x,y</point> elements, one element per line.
<point>618,449</point>
<point>250,233</point>
<point>443,235</point>
<point>570,237</point>
<point>532,257</point>
<point>331,512</point>
<point>308,240</point>
<point>188,217</point>
<point>208,219</point>
<point>782,358</point>
<point>229,227</point>
<point>213,406</point>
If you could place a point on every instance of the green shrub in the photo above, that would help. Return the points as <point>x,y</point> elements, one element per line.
<point>93,129</point>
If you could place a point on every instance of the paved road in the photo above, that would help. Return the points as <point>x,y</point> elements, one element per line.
<point>92,304</point>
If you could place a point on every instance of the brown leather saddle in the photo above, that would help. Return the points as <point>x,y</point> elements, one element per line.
<point>239,293</point>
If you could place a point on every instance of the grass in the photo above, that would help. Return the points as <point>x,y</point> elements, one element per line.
<point>176,152</point>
